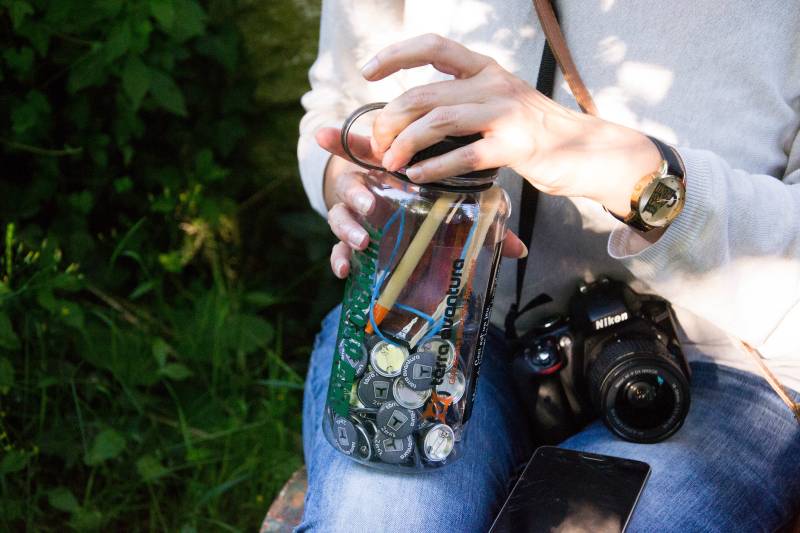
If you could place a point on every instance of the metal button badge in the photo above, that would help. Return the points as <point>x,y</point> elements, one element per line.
<point>438,442</point>
<point>387,359</point>
<point>344,433</point>
<point>453,385</point>
<point>396,421</point>
<point>373,390</point>
<point>392,450</point>
<point>408,397</point>
<point>418,371</point>
<point>444,350</point>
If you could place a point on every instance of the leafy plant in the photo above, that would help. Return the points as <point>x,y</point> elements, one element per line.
<point>161,277</point>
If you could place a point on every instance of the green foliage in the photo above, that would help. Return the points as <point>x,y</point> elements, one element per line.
<point>161,277</point>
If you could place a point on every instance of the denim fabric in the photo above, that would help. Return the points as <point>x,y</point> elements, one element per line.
<point>734,466</point>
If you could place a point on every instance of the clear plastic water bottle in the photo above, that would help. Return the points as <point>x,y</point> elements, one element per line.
<point>415,316</point>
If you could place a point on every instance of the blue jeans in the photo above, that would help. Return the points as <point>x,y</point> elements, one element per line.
<point>733,466</point>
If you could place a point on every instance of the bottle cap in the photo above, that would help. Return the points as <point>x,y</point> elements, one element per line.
<point>387,359</point>
<point>373,390</point>
<point>418,371</point>
<point>448,144</point>
<point>396,421</point>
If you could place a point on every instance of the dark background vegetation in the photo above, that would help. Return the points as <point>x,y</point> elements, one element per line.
<point>161,277</point>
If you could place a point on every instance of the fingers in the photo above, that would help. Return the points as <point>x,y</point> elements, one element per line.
<point>444,121</point>
<point>340,259</point>
<point>480,155</point>
<point>513,247</point>
<point>445,55</point>
<point>350,190</point>
<point>330,139</point>
<point>344,226</point>
<point>417,102</point>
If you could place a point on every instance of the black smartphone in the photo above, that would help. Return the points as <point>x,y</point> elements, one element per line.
<point>567,490</point>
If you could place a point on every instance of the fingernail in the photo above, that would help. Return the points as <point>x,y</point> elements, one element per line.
<point>356,237</point>
<point>363,203</point>
<point>524,252</point>
<point>414,173</point>
<point>388,160</point>
<point>341,265</point>
<point>370,68</point>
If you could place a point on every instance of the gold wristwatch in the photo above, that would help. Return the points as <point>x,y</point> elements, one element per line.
<point>658,197</point>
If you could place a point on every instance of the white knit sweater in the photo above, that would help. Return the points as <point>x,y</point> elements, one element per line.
<point>719,80</point>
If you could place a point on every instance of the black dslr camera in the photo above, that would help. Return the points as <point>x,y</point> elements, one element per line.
<point>615,356</point>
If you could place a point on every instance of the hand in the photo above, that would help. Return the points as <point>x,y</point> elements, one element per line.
<point>558,150</point>
<point>346,195</point>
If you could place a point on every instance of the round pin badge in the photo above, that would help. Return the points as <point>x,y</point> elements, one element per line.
<point>373,390</point>
<point>407,397</point>
<point>418,371</point>
<point>345,435</point>
<point>392,450</point>
<point>438,442</point>
<point>444,349</point>
<point>387,359</point>
<point>453,385</point>
<point>396,421</point>
<point>360,364</point>
<point>364,443</point>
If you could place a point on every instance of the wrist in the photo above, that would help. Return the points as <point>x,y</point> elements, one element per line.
<point>629,156</point>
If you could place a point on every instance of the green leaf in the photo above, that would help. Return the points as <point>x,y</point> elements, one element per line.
<point>24,117</point>
<point>119,41</point>
<point>62,499</point>
<point>135,80</point>
<point>160,351</point>
<point>8,338</point>
<point>123,184</point>
<point>150,468</point>
<point>164,13</point>
<point>108,444</point>
<point>260,300</point>
<point>13,461</point>
<point>20,61</point>
<point>18,10</point>
<point>71,314</point>
<point>175,371</point>
<point>190,20</point>
<point>6,375</point>
<point>166,93</point>
<point>87,72</point>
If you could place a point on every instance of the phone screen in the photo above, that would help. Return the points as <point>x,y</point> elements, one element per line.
<point>566,490</point>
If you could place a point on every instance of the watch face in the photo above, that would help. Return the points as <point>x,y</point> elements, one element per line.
<point>661,201</point>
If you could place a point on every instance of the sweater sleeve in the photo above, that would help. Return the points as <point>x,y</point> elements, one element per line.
<point>733,254</point>
<point>347,37</point>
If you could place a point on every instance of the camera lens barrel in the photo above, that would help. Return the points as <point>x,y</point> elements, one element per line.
<point>639,389</point>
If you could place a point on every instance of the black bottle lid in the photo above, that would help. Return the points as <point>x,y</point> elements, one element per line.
<point>448,144</point>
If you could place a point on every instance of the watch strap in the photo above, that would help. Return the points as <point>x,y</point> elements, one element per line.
<point>670,155</point>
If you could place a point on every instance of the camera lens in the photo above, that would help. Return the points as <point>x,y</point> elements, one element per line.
<point>639,390</point>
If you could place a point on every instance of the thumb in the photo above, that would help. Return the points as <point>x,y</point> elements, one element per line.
<point>331,140</point>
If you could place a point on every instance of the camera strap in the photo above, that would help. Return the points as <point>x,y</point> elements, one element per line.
<point>556,52</point>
